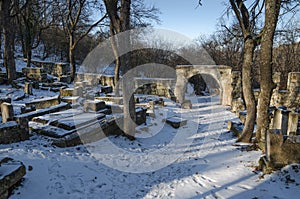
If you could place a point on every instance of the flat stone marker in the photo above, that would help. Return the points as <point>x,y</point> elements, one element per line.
<point>176,122</point>
<point>44,102</point>
<point>76,121</point>
<point>56,116</point>
<point>11,172</point>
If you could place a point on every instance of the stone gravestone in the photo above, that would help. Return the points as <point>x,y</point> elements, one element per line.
<point>28,88</point>
<point>7,112</point>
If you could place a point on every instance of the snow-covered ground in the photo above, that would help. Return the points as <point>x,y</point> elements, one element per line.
<point>195,161</point>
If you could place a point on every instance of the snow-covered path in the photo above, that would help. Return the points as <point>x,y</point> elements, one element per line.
<point>202,165</point>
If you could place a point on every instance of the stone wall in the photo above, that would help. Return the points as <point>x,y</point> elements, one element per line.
<point>155,86</point>
<point>94,79</point>
<point>56,69</point>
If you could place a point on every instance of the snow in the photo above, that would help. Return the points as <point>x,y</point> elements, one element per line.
<point>195,161</point>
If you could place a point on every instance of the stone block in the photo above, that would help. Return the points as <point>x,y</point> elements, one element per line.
<point>70,99</point>
<point>27,109</point>
<point>176,122</point>
<point>66,92</point>
<point>11,132</point>
<point>281,150</point>
<point>11,172</point>
<point>65,79</point>
<point>44,102</point>
<point>94,105</point>
<point>140,115</point>
<point>90,133</point>
<point>7,111</point>
<point>280,120</point>
<point>235,128</point>
<point>106,89</point>
<point>61,107</point>
<point>293,123</point>
<point>28,88</point>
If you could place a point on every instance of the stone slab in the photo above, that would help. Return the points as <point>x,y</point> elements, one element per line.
<point>28,116</point>
<point>11,172</point>
<point>176,122</point>
<point>44,102</point>
<point>77,121</point>
<point>94,106</point>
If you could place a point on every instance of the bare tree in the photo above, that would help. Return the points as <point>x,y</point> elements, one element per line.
<point>31,20</point>
<point>75,17</point>
<point>272,10</point>
<point>247,24</point>
<point>9,38</point>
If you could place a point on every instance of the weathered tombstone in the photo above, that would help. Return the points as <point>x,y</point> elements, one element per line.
<point>151,109</point>
<point>280,120</point>
<point>94,105</point>
<point>7,112</point>
<point>28,88</point>
<point>293,123</point>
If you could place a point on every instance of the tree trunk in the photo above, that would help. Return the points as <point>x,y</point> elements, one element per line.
<point>71,56</point>
<point>128,97</point>
<point>266,82</point>
<point>117,58</point>
<point>9,36</point>
<point>248,92</point>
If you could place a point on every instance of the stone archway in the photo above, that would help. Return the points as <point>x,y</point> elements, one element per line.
<point>222,74</point>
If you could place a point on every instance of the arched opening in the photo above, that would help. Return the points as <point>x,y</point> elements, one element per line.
<point>203,85</point>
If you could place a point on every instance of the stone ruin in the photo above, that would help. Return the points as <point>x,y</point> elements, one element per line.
<point>283,138</point>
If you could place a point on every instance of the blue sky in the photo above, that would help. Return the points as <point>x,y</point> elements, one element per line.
<point>187,18</point>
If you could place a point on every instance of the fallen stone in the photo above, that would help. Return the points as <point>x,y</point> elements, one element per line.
<point>11,172</point>
<point>176,122</point>
<point>235,128</point>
